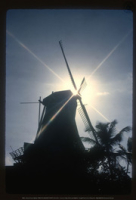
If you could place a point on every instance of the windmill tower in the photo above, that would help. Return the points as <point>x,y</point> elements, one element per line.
<point>57,136</point>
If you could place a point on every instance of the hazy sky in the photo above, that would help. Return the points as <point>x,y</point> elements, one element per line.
<point>98,45</point>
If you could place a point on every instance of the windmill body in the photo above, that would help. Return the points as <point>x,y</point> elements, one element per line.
<point>56,154</point>
<point>57,136</point>
<point>58,127</point>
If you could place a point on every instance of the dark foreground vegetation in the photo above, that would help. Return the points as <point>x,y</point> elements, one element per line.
<point>98,170</point>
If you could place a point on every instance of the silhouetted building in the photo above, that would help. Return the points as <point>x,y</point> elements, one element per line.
<point>57,151</point>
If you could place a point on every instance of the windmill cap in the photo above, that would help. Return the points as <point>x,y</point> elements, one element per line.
<point>56,97</point>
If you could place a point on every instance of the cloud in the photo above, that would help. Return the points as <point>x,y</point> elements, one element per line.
<point>102,93</point>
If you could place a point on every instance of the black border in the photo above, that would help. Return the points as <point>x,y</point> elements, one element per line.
<point>69,4</point>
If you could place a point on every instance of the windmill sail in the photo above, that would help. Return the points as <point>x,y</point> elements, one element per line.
<point>69,71</point>
<point>82,86</point>
<point>83,113</point>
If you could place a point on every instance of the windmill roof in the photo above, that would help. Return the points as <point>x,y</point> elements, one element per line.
<point>57,97</point>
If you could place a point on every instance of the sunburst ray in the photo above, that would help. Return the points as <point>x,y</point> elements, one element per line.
<point>25,47</point>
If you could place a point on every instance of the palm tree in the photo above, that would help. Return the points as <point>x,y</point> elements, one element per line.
<point>107,139</point>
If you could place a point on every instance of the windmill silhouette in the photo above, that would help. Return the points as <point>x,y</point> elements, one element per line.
<point>82,110</point>
<point>56,124</point>
<point>57,152</point>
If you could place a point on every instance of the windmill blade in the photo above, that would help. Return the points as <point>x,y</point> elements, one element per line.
<point>82,86</point>
<point>69,71</point>
<point>28,102</point>
<point>87,128</point>
<point>86,120</point>
<point>84,114</point>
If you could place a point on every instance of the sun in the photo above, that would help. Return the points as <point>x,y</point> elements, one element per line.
<point>88,94</point>
<point>75,92</point>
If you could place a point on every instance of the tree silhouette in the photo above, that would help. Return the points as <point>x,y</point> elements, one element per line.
<point>108,139</point>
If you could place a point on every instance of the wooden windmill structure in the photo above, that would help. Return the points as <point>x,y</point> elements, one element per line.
<point>57,134</point>
<point>57,152</point>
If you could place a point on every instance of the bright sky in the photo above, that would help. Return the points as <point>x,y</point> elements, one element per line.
<point>98,45</point>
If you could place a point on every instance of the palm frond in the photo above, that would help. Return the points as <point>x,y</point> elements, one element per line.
<point>112,128</point>
<point>105,131</point>
<point>102,126</point>
<point>126,129</point>
<point>119,136</point>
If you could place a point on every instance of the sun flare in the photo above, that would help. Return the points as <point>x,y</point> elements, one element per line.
<point>75,92</point>
<point>88,95</point>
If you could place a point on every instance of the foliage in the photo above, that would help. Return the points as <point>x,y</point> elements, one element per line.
<point>102,159</point>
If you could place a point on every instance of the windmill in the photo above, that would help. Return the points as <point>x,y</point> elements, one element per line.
<point>56,123</point>
<point>57,152</point>
<point>82,111</point>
